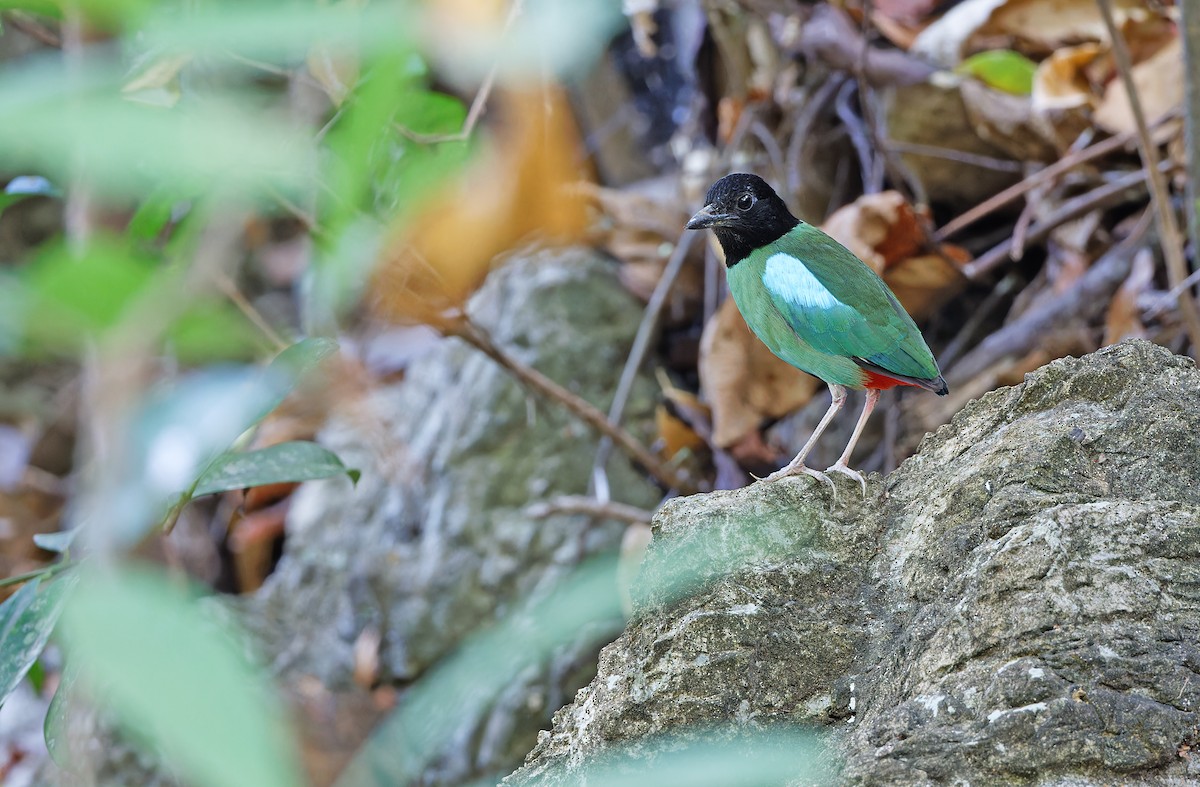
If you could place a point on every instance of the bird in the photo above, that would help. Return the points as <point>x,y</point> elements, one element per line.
<point>816,305</point>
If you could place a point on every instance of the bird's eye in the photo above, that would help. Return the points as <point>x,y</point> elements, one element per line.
<point>745,202</point>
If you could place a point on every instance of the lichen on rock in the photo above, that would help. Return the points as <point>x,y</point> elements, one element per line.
<point>1017,604</point>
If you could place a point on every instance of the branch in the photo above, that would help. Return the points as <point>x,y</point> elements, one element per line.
<point>1090,293</point>
<point>577,504</point>
<point>637,353</point>
<point>1168,230</point>
<point>1126,187</point>
<point>542,385</point>
<point>1017,190</point>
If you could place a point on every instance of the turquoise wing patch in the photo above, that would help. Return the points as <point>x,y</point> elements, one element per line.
<point>876,329</point>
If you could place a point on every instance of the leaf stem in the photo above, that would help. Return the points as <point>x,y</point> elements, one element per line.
<point>47,571</point>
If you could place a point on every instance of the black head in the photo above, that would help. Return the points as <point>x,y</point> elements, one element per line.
<point>744,213</point>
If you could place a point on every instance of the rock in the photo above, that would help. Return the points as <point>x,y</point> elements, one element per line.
<point>1017,604</point>
<point>434,542</point>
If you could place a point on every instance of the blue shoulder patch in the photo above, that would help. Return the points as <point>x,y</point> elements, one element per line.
<point>787,278</point>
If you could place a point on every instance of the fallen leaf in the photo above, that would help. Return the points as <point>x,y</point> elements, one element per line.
<point>881,229</point>
<point>1003,69</point>
<point>1010,123</point>
<point>743,381</point>
<point>1159,81</point>
<point>885,232</point>
<point>1124,319</point>
<point>523,187</point>
<point>925,282</point>
<point>1036,28</point>
<point>1062,80</point>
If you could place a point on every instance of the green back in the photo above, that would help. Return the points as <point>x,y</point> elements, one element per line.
<point>833,306</point>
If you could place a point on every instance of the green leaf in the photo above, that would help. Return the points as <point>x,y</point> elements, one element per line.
<point>56,542</point>
<point>303,356</point>
<point>283,463</point>
<point>178,430</point>
<point>429,113</point>
<point>54,728</point>
<point>174,677</point>
<point>27,619</point>
<point>292,365</point>
<point>80,294</point>
<point>153,215</point>
<point>1002,69</point>
<point>65,125</point>
<point>214,331</point>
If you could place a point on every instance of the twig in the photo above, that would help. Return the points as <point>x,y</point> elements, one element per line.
<point>805,120</point>
<point>974,159</point>
<point>856,128</point>
<point>1017,190</point>
<point>1020,232</point>
<point>19,20</point>
<point>540,384</point>
<point>577,504</point>
<point>1091,292</point>
<point>47,571</point>
<point>637,353</point>
<point>478,104</point>
<point>1168,230</point>
<point>1173,294</point>
<point>774,152</point>
<point>230,290</point>
<point>892,164</point>
<point>1190,31</point>
<point>830,37</point>
<point>979,315</point>
<point>1121,189</point>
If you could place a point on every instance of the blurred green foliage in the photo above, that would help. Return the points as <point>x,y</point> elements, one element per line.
<point>177,114</point>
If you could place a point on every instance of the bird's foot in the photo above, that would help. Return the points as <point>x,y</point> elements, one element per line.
<point>800,469</point>
<point>844,469</point>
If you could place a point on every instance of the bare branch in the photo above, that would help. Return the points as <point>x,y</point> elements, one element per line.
<point>542,385</point>
<point>577,504</point>
<point>1169,235</point>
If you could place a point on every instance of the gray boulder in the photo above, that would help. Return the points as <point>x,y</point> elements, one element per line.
<point>434,542</point>
<point>1018,604</point>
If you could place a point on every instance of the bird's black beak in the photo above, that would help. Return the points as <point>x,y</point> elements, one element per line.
<point>709,216</point>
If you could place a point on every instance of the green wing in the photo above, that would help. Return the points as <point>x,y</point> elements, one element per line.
<point>836,303</point>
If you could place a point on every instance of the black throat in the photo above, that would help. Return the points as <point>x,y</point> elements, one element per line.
<point>738,242</point>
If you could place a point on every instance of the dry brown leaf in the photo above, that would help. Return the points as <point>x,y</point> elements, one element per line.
<point>1062,81</point>
<point>880,229</point>
<point>911,11</point>
<point>1043,26</point>
<point>900,33</point>
<point>885,232</point>
<point>924,283</point>
<point>1010,123</point>
<point>674,434</point>
<point>1124,319</point>
<point>524,187</point>
<point>1035,27</point>
<point>743,381</point>
<point>729,113</point>
<point>1159,81</point>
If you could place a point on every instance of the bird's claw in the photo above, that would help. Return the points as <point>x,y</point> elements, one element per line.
<point>791,470</point>
<point>844,469</point>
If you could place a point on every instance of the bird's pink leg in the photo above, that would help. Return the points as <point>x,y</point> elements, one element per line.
<point>842,466</point>
<point>796,466</point>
